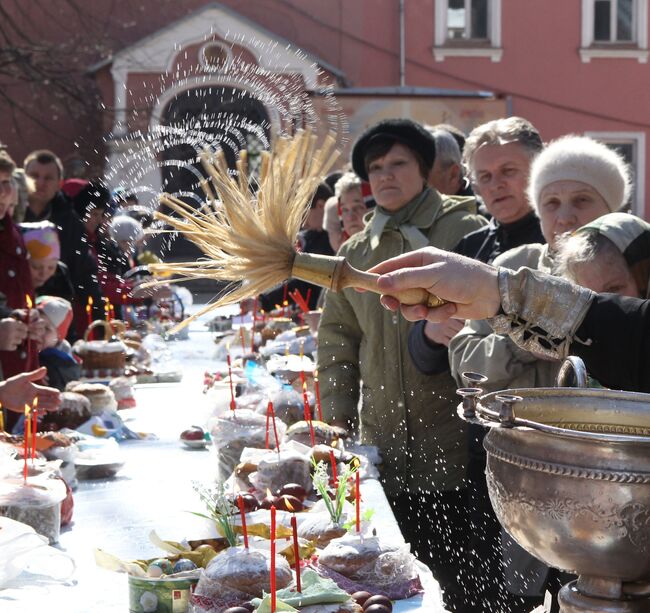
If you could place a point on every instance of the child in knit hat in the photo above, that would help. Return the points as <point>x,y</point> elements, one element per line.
<point>56,354</point>
<point>42,242</point>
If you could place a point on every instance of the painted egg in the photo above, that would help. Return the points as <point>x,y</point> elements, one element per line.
<point>165,566</point>
<point>378,600</point>
<point>289,503</point>
<point>377,608</point>
<point>293,489</point>
<point>361,597</point>
<point>183,564</point>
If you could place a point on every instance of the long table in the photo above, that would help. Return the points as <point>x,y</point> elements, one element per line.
<point>154,492</point>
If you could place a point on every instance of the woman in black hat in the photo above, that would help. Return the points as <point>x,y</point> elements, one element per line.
<point>363,350</point>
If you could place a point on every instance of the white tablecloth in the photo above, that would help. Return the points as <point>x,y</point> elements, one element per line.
<point>154,491</point>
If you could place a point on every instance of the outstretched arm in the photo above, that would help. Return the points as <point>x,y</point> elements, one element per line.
<point>20,390</point>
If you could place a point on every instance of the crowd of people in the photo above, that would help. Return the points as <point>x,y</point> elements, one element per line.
<point>502,197</point>
<point>65,249</point>
<point>497,200</point>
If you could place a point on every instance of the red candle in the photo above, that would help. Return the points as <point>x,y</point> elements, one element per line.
<point>335,476</point>
<point>273,596</point>
<point>275,429</point>
<point>242,512</point>
<point>254,324</point>
<point>232,392</point>
<point>357,498</point>
<point>268,417</point>
<point>89,310</point>
<point>307,412</point>
<point>34,427</point>
<point>319,408</point>
<point>296,551</point>
<point>308,297</point>
<point>26,427</point>
<point>29,303</point>
<point>243,340</point>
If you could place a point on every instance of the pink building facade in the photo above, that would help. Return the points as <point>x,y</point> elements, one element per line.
<point>569,66</point>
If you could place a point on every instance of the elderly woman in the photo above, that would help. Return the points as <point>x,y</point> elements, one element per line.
<point>572,182</point>
<point>609,255</point>
<point>363,348</point>
<point>351,205</point>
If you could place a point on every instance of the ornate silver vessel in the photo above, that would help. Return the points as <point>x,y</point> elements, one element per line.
<point>568,472</point>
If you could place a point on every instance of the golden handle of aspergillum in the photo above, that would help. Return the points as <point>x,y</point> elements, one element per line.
<point>335,273</point>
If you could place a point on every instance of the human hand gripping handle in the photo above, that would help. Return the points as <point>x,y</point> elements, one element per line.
<point>470,288</point>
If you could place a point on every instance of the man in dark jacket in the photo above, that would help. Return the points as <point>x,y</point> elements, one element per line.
<point>497,156</point>
<point>48,202</point>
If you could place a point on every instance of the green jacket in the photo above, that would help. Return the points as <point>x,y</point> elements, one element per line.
<point>477,348</point>
<point>411,417</point>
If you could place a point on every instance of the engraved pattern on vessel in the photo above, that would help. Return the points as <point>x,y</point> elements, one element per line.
<point>630,521</point>
<point>566,470</point>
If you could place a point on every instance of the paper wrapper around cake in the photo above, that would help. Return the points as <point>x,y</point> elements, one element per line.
<point>237,575</point>
<point>232,431</point>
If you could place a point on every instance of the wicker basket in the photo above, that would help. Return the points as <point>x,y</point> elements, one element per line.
<point>106,357</point>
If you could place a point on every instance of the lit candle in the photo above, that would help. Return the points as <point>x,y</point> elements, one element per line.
<point>335,477</point>
<point>34,426</point>
<point>27,422</point>
<point>29,303</point>
<point>242,512</point>
<point>319,408</point>
<point>107,309</point>
<point>308,297</point>
<point>273,596</point>
<point>307,412</point>
<point>232,391</point>
<point>296,551</point>
<point>357,498</point>
<point>89,310</point>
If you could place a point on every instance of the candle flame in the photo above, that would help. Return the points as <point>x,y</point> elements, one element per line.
<point>268,493</point>
<point>28,300</point>
<point>90,301</point>
<point>335,443</point>
<point>35,403</point>
<point>27,410</point>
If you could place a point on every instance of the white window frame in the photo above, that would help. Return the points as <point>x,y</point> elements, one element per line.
<point>637,49</point>
<point>443,49</point>
<point>638,140</point>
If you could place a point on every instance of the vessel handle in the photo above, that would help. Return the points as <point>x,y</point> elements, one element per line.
<point>573,373</point>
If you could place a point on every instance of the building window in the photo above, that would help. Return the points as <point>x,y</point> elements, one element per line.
<point>631,145</point>
<point>614,29</point>
<point>467,28</point>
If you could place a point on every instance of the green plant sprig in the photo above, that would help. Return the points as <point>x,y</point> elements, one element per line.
<point>321,485</point>
<point>220,509</point>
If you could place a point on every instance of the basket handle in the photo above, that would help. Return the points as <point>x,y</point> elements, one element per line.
<point>99,323</point>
